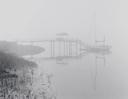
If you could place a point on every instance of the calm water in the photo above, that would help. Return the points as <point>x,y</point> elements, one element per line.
<point>77,79</point>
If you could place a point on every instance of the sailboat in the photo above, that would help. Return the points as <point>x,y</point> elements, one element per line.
<point>101,48</point>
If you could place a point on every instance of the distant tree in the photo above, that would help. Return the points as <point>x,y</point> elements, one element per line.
<point>10,61</point>
<point>20,50</point>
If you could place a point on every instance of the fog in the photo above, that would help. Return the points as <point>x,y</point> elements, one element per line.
<point>41,19</point>
<point>20,19</point>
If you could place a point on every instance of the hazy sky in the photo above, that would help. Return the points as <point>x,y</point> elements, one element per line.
<point>33,19</point>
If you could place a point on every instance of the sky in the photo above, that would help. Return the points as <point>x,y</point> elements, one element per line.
<point>38,19</point>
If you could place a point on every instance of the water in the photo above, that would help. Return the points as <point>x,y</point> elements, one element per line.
<point>88,77</point>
